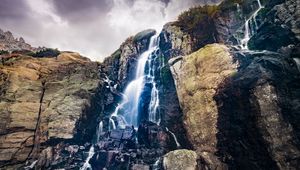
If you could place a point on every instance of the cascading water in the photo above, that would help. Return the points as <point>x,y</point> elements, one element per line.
<point>174,137</point>
<point>128,111</point>
<point>297,61</point>
<point>86,164</point>
<point>100,130</point>
<point>249,29</point>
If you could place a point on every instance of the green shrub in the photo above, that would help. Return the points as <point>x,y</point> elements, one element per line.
<point>146,34</point>
<point>48,52</point>
<point>116,54</point>
<point>189,20</point>
<point>3,52</point>
<point>166,76</point>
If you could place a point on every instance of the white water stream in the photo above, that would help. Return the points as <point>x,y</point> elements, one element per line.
<point>249,29</point>
<point>128,111</point>
<point>86,164</point>
<point>174,137</point>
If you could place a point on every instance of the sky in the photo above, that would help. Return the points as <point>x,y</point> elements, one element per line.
<point>94,28</point>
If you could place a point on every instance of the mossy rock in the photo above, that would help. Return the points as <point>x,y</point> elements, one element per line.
<point>146,34</point>
<point>166,76</point>
<point>116,54</point>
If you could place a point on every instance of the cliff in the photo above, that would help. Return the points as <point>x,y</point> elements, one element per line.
<point>238,104</point>
<point>45,101</point>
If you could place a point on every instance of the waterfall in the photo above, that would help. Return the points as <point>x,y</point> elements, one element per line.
<point>154,101</point>
<point>174,137</point>
<point>100,130</point>
<point>156,164</point>
<point>249,30</point>
<point>86,164</point>
<point>31,166</point>
<point>127,112</point>
<point>297,61</point>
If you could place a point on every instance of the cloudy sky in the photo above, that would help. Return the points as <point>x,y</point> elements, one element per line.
<point>94,28</point>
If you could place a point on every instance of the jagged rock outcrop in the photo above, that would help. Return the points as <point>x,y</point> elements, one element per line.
<point>45,101</point>
<point>174,42</point>
<point>279,27</point>
<point>9,43</point>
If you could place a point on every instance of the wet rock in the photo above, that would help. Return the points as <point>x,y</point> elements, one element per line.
<point>180,160</point>
<point>140,167</point>
<point>279,28</point>
<point>152,136</point>
<point>272,37</point>
<point>174,42</point>
<point>45,158</point>
<point>120,66</point>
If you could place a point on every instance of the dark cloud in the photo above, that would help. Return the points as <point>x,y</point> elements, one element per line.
<point>76,9</point>
<point>13,9</point>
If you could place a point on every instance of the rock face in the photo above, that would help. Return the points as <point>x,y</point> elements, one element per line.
<point>44,101</point>
<point>174,42</point>
<point>239,132</point>
<point>280,28</point>
<point>261,103</point>
<point>180,160</point>
<point>197,77</point>
<point>237,106</point>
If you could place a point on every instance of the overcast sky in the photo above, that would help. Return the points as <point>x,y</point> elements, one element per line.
<point>94,28</point>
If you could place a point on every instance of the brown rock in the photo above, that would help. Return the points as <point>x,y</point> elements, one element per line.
<point>180,160</point>
<point>43,99</point>
<point>197,77</point>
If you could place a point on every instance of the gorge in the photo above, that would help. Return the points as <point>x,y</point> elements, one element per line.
<point>216,89</point>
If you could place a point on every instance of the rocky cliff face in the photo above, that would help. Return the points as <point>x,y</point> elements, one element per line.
<point>236,107</point>
<point>45,101</point>
<point>238,104</point>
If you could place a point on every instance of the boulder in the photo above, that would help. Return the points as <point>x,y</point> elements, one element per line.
<point>197,78</point>
<point>180,160</point>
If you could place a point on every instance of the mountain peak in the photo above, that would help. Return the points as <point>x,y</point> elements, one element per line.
<point>9,43</point>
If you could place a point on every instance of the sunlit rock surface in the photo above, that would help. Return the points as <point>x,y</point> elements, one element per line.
<point>180,160</point>
<point>42,100</point>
